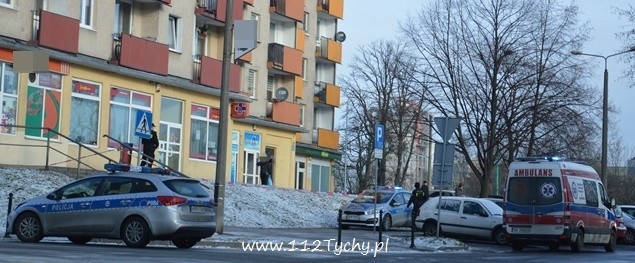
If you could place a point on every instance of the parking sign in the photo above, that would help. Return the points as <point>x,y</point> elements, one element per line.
<point>379,141</point>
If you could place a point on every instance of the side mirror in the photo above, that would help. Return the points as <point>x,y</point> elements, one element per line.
<point>55,196</point>
<point>612,202</point>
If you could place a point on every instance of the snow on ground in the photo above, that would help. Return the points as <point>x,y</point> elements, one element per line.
<point>245,206</point>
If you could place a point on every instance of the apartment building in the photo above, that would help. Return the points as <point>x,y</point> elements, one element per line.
<point>110,59</point>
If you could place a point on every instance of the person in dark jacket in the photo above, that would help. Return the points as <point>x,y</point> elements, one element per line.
<point>419,197</point>
<point>149,147</point>
<point>266,169</point>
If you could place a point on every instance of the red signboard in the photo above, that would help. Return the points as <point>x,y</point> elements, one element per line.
<point>240,110</point>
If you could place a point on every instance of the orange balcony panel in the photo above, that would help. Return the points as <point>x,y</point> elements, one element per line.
<point>332,7</point>
<point>292,61</point>
<point>143,54</point>
<point>332,95</point>
<point>234,78</point>
<point>299,39</point>
<point>334,51</point>
<point>293,9</point>
<point>299,87</point>
<point>6,55</point>
<point>286,112</point>
<point>328,139</point>
<point>59,32</point>
<point>237,10</point>
<point>212,72</point>
<point>246,57</point>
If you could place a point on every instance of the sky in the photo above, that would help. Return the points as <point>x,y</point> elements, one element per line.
<point>368,20</point>
<point>252,206</point>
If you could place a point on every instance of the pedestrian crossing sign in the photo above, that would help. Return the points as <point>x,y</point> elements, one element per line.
<point>143,125</point>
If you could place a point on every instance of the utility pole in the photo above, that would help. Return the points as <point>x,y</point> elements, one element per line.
<point>221,162</point>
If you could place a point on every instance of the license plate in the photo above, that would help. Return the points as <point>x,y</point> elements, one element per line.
<point>199,209</point>
<point>352,217</point>
<point>520,230</point>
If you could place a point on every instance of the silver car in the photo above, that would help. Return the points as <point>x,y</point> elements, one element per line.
<point>133,206</point>
<point>392,201</point>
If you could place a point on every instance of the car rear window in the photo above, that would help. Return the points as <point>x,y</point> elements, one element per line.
<point>534,190</point>
<point>189,188</point>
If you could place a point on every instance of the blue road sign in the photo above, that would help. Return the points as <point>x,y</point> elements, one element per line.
<point>143,124</point>
<point>379,136</point>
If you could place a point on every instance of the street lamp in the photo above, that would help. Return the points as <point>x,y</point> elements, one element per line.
<point>605,107</point>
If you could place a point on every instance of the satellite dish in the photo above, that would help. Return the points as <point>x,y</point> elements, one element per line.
<point>340,36</point>
<point>282,94</point>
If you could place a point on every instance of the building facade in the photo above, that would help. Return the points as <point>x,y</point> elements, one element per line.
<point>110,59</point>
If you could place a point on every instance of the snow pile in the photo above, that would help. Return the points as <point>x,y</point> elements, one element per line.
<point>245,206</point>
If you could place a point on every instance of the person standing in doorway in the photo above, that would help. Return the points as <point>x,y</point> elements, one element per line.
<point>149,147</point>
<point>266,168</point>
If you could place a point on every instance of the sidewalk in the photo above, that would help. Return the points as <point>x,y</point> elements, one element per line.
<point>325,238</point>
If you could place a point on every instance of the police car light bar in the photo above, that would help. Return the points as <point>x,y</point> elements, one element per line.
<point>117,167</point>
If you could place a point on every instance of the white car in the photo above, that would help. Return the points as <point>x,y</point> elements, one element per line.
<point>463,216</point>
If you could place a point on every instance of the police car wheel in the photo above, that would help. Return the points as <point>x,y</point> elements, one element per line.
<point>135,232</point>
<point>185,242</point>
<point>80,240</point>
<point>386,224</point>
<point>28,228</point>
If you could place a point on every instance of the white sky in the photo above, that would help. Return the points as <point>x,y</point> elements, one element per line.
<point>245,206</point>
<point>368,20</point>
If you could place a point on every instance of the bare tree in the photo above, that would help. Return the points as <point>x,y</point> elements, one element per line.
<point>503,67</point>
<point>382,92</point>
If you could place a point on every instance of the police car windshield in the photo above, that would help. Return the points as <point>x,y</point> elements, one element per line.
<point>368,196</point>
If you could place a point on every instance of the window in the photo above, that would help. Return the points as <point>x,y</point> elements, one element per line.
<point>591,193</point>
<point>84,188</point>
<point>251,82</point>
<point>124,105</point>
<point>9,98</point>
<point>451,205</point>
<point>256,17</point>
<point>86,13</point>
<point>118,185</point>
<point>305,23</point>
<point>204,136</point>
<point>174,36</point>
<point>6,3</point>
<point>270,83</point>
<point>320,178</point>
<point>123,18</point>
<point>43,105</point>
<point>305,63</point>
<point>84,126</point>
<point>534,190</point>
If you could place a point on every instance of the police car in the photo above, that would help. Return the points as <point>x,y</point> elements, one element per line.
<point>133,204</point>
<point>391,200</point>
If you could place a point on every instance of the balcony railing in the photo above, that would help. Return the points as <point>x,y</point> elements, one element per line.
<point>329,49</point>
<point>211,72</point>
<point>292,9</point>
<point>286,112</point>
<point>142,54</point>
<point>213,11</point>
<point>56,31</point>
<point>285,59</point>
<point>332,7</point>
<point>327,93</point>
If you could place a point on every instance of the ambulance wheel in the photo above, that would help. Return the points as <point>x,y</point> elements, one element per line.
<point>518,246</point>
<point>28,228</point>
<point>610,247</point>
<point>578,244</point>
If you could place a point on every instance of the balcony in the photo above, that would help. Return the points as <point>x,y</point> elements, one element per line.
<point>329,50</point>
<point>165,2</point>
<point>142,54</point>
<point>286,112</point>
<point>292,9</point>
<point>284,60</point>
<point>327,139</point>
<point>332,7</point>
<point>56,31</point>
<point>211,72</point>
<point>212,12</point>
<point>327,93</point>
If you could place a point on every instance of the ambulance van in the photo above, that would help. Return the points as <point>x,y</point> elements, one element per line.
<point>553,202</point>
